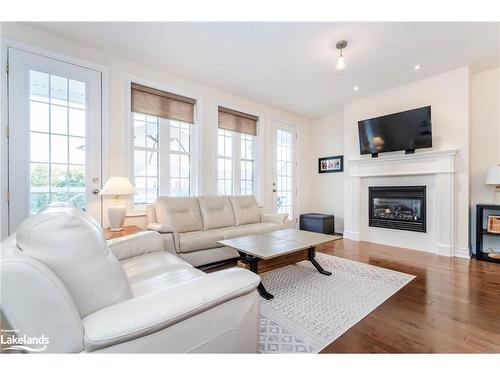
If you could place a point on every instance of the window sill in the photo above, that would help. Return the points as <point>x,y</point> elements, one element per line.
<point>136,213</point>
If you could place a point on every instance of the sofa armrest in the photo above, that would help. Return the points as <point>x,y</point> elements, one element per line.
<point>273,218</point>
<point>155,311</point>
<point>136,244</point>
<point>151,214</point>
<point>161,228</point>
<point>172,242</point>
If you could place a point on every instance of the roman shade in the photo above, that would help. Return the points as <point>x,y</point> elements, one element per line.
<point>237,121</point>
<point>162,104</point>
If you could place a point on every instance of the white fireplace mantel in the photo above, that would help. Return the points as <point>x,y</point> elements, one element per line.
<point>440,164</point>
<point>404,165</point>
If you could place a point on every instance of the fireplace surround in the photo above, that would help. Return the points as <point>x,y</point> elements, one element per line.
<point>397,207</point>
<point>436,170</point>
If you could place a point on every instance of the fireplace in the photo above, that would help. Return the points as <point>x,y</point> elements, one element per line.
<point>397,207</point>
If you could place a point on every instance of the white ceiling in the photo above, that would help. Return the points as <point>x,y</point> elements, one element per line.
<point>292,65</point>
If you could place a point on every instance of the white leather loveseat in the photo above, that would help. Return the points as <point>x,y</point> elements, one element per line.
<point>62,280</point>
<point>192,226</point>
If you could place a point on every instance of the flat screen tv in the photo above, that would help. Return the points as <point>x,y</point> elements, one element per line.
<point>406,130</point>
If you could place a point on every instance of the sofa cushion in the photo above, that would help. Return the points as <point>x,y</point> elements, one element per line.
<point>165,280</point>
<point>203,257</point>
<point>241,231</point>
<point>250,229</point>
<point>216,212</point>
<point>264,227</point>
<point>200,240</point>
<point>136,244</point>
<point>158,270</point>
<point>148,265</point>
<point>71,244</point>
<point>182,213</point>
<point>246,210</point>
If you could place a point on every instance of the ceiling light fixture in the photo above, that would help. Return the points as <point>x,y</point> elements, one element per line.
<point>356,88</point>
<point>340,61</point>
<point>417,67</point>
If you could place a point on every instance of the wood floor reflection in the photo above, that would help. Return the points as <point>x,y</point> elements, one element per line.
<point>452,306</point>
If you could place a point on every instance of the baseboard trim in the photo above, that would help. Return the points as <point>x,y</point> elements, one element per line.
<point>444,250</point>
<point>351,235</point>
<point>457,252</point>
<point>462,252</point>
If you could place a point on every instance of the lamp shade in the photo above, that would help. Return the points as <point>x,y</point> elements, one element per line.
<point>117,186</point>
<point>493,175</point>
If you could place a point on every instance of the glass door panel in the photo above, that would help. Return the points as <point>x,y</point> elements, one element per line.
<point>284,189</point>
<point>284,201</point>
<point>57,141</point>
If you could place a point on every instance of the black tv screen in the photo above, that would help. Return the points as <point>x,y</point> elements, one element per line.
<point>406,130</point>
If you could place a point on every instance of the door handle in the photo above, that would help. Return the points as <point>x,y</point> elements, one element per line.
<point>274,190</point>
<point>95,180</point>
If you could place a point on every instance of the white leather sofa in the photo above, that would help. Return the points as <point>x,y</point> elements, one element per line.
<point>192,226</point>
<point>61,279</point>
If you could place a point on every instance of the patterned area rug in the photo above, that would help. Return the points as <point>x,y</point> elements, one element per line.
<point>310,310</point>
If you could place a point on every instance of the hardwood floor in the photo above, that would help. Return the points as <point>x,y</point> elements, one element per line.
<point>453,305</point>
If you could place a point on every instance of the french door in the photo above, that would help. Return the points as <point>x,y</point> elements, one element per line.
<point>284,168</point>
<point>54,135</point>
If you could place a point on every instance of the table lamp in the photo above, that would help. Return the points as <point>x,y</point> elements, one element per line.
<point>493,178</point>
<point>117,186</point>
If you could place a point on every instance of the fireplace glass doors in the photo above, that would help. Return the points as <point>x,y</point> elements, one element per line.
<point>397,207</point>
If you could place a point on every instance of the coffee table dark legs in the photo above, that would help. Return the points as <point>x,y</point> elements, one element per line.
<point>263,292</point>
<point>254,267</point>
<point>312,258</point>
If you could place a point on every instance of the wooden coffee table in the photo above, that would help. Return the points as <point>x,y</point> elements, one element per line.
<point>255,248</point>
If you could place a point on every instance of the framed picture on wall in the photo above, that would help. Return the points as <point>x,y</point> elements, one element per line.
<point>331,164</point>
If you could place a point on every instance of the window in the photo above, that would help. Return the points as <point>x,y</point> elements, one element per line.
<point>174,169</point>
<point>236,156</point>
<point>180,158</point>
<point>163,151</point>
<point>247,178</point>
<point>146,140</point>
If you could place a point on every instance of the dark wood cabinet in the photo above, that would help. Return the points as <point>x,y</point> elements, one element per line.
<point>482,230</point>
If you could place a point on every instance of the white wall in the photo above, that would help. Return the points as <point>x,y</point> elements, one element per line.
<point>327,139</point>
<point>447,93</point>
<point>119,71</point>
<point>484,138</point>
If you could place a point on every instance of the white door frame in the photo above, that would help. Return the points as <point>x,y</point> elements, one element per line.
<point>5,44</point>
<point>281,124</point>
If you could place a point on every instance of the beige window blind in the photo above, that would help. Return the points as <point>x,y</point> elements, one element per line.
<point>237,121</point>
<point>162,104</point>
